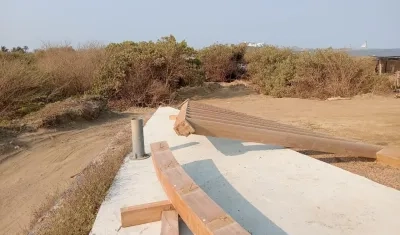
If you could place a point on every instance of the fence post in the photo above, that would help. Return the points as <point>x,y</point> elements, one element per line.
<point>138,139</point>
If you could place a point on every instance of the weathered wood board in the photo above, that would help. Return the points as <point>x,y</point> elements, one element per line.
<point>202,119</point>
<point>200,213</point>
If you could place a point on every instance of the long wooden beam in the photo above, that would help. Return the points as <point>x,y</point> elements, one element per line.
<point>200,213</point>
<point>201,119</point>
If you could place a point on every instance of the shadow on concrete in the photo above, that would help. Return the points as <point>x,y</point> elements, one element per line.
<point>181,146</point>
<point>209,178</point>
<point>235,147</point>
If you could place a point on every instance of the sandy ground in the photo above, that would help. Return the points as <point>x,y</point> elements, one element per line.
<point>46,164</point>
<point>49,160</point>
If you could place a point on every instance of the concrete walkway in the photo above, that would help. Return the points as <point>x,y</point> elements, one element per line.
<point>267,189</point>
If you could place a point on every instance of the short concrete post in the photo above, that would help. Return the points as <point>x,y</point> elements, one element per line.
<point>137,138</point>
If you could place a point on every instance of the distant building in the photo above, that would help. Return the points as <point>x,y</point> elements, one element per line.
<point>364,45</point>
<point>260,44</point>
<point>387,60</point>
<point>387,64</point>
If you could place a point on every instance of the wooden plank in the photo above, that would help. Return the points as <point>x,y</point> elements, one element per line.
<point>251,134</point>
<point>172,117</point>
<point>181,126</point>
<point>198,109</point>
<point>200,213</point>
<point>145,213</point>
<point>258,125</point>
<point>217,122</point>
<point>169,223</point>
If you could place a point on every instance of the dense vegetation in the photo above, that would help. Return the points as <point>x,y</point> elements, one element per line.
<point>150,73</point>
<point>312,74</point>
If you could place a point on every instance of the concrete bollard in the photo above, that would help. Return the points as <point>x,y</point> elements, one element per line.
<point>138,139</point>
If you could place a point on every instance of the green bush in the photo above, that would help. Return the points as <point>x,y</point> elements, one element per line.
<point>147,73</point>
<point>271,69</point>
<point>222,63</point>
<point>312,74</point>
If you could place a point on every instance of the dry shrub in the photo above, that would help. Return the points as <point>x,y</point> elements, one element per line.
<point>30,80</point>
<point>76,211</point>
<point>223,63</point>
<point>313,74</point>
<point>20,83</point>
<point>271,69</point>
<point>69,72</point>
<point>63,112</point>
<point>329,73</point>
<point>146,73</point>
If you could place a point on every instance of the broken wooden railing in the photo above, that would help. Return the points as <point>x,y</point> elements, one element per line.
<point>201,119</point>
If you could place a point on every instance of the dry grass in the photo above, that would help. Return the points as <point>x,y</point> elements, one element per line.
<point>149,73</point>
<point>62,112</point>
<point>77,209</point>
<point>29,81</point>
<point>20,82</point>
<point>222,63</point>
<point>45,207</point>
<point>69,72</point>
<point>313,74</point>
<point>329,73</point>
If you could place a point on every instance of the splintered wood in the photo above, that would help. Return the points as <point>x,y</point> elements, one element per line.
<point>201,119</point>
<point>200,213</point>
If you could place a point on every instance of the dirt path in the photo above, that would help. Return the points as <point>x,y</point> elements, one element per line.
<point>47,164</point>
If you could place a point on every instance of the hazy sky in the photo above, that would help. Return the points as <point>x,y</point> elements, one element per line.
<point>303,23</point>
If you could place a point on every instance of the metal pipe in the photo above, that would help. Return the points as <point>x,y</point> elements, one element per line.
<point>137,138</point>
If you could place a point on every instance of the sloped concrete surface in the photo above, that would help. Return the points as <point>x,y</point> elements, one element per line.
<point>267,189</point>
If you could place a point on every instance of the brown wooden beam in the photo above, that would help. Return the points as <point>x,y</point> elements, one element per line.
<point>202,119</point>
<point>145,213</point>
<point>200,213</point>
